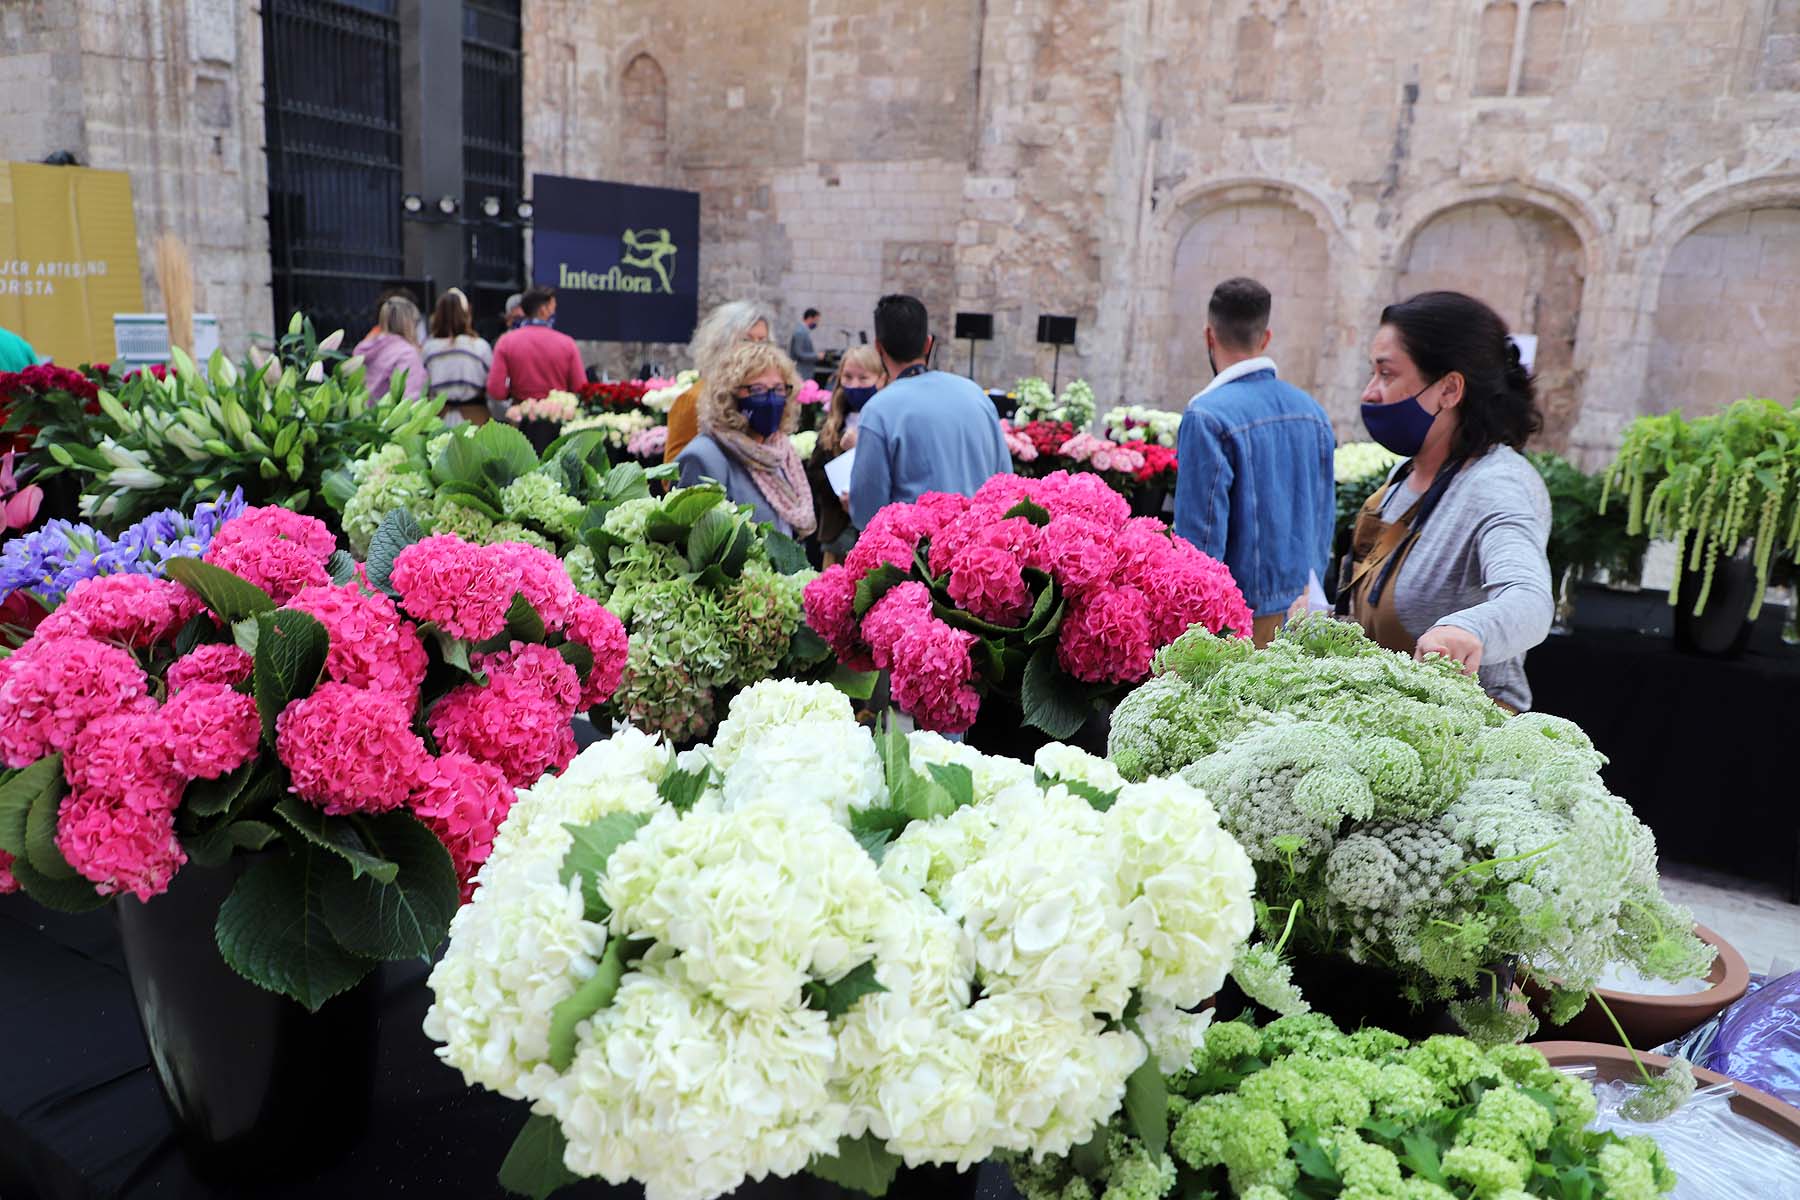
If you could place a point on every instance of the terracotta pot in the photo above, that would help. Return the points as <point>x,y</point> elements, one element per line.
<point>1653,1020</point>
<point>1614,1062</point>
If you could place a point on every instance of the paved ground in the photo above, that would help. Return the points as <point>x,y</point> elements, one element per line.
<point>1754,917</point>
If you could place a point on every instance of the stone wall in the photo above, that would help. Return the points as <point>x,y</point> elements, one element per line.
<point>1047,156</point>
<point>172,93</point>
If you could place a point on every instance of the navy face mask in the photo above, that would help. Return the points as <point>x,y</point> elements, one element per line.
<point>855,398</point>
<point>1401,426</point>
<point>763,410</point>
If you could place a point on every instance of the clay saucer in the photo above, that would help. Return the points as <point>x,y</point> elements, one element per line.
<point>1614,1062</point>
<point>1653,1020</point>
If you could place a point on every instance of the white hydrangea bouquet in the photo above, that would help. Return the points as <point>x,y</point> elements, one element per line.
<point>811,947</point>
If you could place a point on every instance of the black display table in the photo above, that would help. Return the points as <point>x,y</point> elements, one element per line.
<point>1698,745</point>
<point>82,1115</point>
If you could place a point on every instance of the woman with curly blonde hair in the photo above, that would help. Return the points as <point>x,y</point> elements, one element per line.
<point>748,408</point>
<point>859,377</point>
<point>726,326</point>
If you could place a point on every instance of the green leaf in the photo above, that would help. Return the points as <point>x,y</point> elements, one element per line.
<point>685,506</point>
<point>40,833</point>
<point>252,835</point>
<point>1147,1106</point>
<point>786,555</point>
<point>858,685</point>
<point>503,447</point>
<point>681,788</point>
<point>836,999</point>
<point>243,635</point>
<point>231,596</point>
<point>578,656</point>
<point>875,842</point>
<point>455,652</point>
<point>591,846</point>
<point>1046,610</point>
<point>956,780</point>
<point>523,624</point>
<point>876,584</point>
<point>341,836</point>
<point>290,653</point>
<point>210,797</point>
<point>1423,1158</point>
<point>1032,511</point>
<point>1312,1158</point>
<point>397,531</point>
<point>1050,700</point>
<point>626,481</point>
<point>18,793</point>
<point>738,552</point>
<point>272,931</point>
<point>594,994</point>
<point>481,498</point>
<point>74,895</point>
<point>1098,797</point>
<point>534,1166</point>
<point>710,539</point>
<point>341,567</point>
<point>409,917</point>
<point>861,1164</point>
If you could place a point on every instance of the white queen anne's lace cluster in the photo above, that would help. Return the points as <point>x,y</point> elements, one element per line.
<point>1005,940</point>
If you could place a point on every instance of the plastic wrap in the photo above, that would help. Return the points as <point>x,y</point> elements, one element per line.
<point>1758,1040</point>
<point>1714,1151</point>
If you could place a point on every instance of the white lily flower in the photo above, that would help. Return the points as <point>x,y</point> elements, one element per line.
<point>333,342</point>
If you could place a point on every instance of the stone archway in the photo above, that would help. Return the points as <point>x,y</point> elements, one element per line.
<point>1529,264</point>
<point>1725,325</point>
<point>1272,241</point>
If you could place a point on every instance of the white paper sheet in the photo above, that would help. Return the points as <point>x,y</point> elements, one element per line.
<point>837,471</point>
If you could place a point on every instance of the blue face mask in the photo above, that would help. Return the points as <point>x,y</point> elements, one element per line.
<point>855,398</point>
<point>763,410</point>
<point>1401,426</point>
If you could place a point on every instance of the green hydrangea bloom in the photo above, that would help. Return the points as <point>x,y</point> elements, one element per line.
<point>1401,1093</point>
<point>540,501</point>
<point>1306,1033</point>
<point>579,563</point>
<point>627,520</point>
<point>1370,1172</point>
<point>1627,1172</point>
<point>1489,1172</point>
<point>386,481</point>
<point>1376,1045</point>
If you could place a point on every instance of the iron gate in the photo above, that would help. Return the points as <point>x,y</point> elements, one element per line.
<point>333,112</point>
<point>493,147</point>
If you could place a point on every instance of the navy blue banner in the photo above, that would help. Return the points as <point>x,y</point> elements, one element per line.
<point>624,260</point>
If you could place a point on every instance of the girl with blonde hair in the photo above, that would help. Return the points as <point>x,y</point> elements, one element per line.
<point>859,377</point>
<point>719,331</point>
<point>747,409</point>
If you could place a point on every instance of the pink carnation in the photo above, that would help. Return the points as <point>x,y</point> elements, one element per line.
<point>273,521</point>
<point>278,566</point>
<point>127,759</point>
<point>931,674</point>
<point>7,882</point>
<point>988,583</point>
<point>137,610</point>
<point>543,581</point>
<point>1105,636</point>
<point>594,626</point>
<point>538,668</point>
<point>213,729</point>
<point>507,724</point>
<point>118,848</point>
<point>372,645</point>
<point>830,603</point>
<point>463,802</point>
<point>460,587</point>
<point>51,689</point>
<point>217,662</point>
<point>892,616</point>
<point>349,749</point>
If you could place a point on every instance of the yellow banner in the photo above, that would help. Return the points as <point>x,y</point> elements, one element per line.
<point>68,258</point>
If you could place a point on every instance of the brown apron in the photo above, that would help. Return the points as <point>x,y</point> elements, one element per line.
<point>1372,543</point>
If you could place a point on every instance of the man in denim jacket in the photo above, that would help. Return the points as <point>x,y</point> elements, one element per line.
<point>1255,487</point>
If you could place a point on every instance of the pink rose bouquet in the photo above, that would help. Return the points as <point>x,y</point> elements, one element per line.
<point>1045,591</point>
<point>364,726</point>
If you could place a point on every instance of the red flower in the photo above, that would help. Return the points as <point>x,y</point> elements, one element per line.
<point>614,397</point>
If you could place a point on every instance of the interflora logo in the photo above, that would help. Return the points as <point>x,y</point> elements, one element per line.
<point>646,250</point>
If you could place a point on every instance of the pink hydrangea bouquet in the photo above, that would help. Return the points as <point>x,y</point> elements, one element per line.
<point>359,728</point>
<point>1045,591</point>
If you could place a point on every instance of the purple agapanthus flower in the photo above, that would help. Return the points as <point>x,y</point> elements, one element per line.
<point>49,561</point>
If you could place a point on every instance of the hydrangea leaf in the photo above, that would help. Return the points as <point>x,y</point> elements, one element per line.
<point>711,539</point>
<point>685,506</point>
<point>589,848</point>
<point>858,685</point>
<point>72,895</point>
<point>785,554</point>
<point>339,836</point>
<point>836,999</point>
<point>290,653</point>
<point>272,931</point>
<point>210,797</point>
<point>18,792</point>
<point>1147,1105</point>
<point>681,788</point>
<point>252,835</point>
<point>397,531</point>
<point>1048,699</point>
<point>861,1164</point>
<point>341,567</point>
<point>1031,510</point>
<point>876,584</point>
<point>408,917</point>
<point>40,832</point>
<point>229,595</point>
<point>594,994</point>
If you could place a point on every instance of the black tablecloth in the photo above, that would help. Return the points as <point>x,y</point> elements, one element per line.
<point>1699,746</point>
<point>82,1115</point>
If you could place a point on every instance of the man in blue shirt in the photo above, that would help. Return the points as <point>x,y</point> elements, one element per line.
<point>1255,487</point>
<point>926,431</point>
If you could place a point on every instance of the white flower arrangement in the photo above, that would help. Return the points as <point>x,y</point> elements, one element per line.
<point>811,946</point>
<point>619,427</point>
<point>555,406</point>
<point>1359,460</point>
<point>1139,423</point>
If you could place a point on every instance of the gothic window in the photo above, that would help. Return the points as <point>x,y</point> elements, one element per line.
<point>1520,48</point>
<point>644,100</point>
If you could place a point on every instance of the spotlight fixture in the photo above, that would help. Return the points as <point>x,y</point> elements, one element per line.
<point>490,206</point>
<point>524,210</point>
<point>447,205</point>
<point>412,202</point>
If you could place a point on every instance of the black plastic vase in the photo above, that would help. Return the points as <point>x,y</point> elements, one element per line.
<point>1354,995</point>
<point>1722,629</point>
<point>258,1087</point>
<point>1000,729</point>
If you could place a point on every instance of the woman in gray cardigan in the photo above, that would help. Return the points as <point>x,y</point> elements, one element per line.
<point>747,410</point>
<point>1448,557</point>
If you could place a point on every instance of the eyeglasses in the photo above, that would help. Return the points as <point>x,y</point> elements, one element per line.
<point>748,393</point>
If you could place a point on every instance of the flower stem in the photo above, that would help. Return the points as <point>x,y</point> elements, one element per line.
<point>1623,1040</point>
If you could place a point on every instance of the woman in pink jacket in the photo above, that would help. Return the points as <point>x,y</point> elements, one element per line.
<point>392,348</point>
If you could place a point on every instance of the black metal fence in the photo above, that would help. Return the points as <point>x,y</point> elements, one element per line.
<point>333,111</point>
<point>493,142</point>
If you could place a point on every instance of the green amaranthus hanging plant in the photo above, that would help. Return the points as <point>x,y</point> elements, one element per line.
<point>1710,484</point>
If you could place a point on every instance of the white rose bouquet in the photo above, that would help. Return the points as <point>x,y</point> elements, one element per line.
<point>811,947</point>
